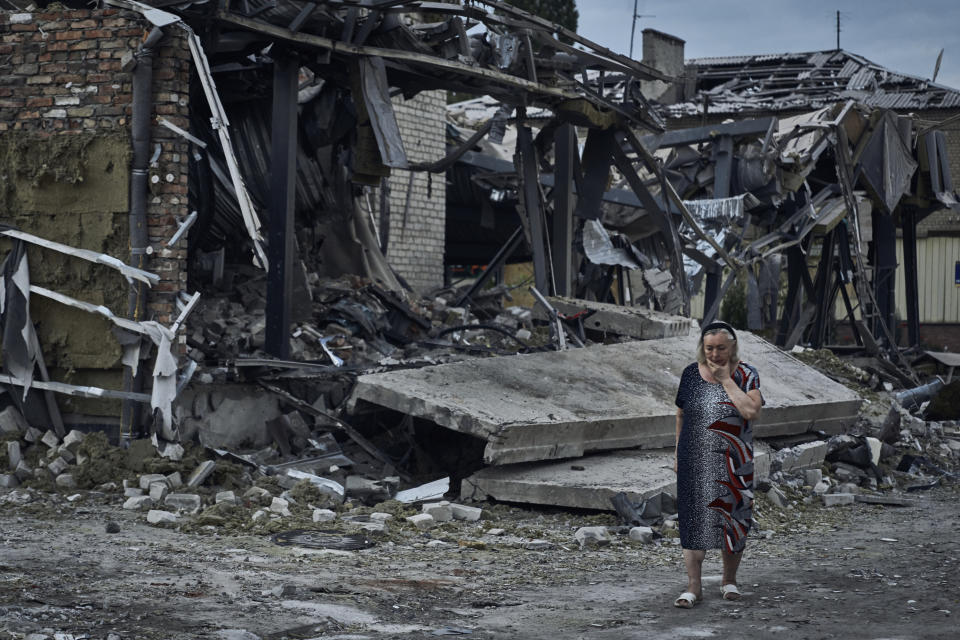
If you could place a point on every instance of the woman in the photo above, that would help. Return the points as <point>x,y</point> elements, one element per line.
<point>718,397</point>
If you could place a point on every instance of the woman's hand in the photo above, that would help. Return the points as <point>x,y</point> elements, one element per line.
<point>720,371</point>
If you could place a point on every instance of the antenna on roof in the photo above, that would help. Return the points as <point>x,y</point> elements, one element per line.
<point>633,24</point>
<point>838,30</point>
<point>936,67</point>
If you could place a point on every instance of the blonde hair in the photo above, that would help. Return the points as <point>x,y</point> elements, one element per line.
<point>734,351</point>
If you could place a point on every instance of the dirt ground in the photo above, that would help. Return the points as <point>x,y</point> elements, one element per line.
<point>860,571</point>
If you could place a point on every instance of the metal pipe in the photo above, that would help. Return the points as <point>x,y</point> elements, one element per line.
<point>142,111</point>
<point>909,398</point>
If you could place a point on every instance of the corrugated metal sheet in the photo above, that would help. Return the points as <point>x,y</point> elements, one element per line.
<point>939,297</point>
<point>818,59</point>
<point>951,99</point>
<point>849,68</point>
<point>863,79</point>
<point>719,61</point>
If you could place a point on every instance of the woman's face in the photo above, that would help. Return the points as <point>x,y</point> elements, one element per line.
<point>716,347</point>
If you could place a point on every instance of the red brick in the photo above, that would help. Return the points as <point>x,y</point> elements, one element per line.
<point>68,35</point>
<point>39,102</point>
<point>86,24</point>
<point>97,33</point>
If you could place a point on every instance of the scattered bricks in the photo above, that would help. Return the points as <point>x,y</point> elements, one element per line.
<point>41,474</point>
<point>23,471</point>
<point>137,503</point>
<point>641,534</point>
<point>132,492</point>
<point>838,499</point>
<point>158,491</point>
<point>463,512</point>
<point>848,487</point>
<point>13,454</point>
<point>50,439</point>
<point>66,481</point>
<point>324,515</point>
<point>174,481</point>
<point>281,506</point>
<point>374,527</point>
<point>496,532</point>
<point>225,496</point>
<point>11,421</point>
<point>440,511</point>
<point>259,514</point>
<point>73,440</point>
<point>821,488</point>
<point>8,481</point>
<point>201,473</point>
<point>148,479</point>
<point>66,454</point>
<point>32,435</point>
<point>184,502</point>
<point>58,466</point>
<point>155,516</point>
<point>777,497</point>
<point>421,520</point>
<point>21,18</point>
<point>812,477</point>
<point>380,517</point>
<point>593,536</point>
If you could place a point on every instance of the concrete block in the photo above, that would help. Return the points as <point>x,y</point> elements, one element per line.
<point>421,520</point>
<point>812,477</point>
<point>8,481</point>
<point>641,534</point>
<point>848,487</point>
<point>258,495</point>
<point>41,473</point>
<point>374,527</point>
<point>12,422</point>
<point>156,516</point>
<point>838,499</point>
<point>538,545</point>
<point>280,506</point>
<point>68,456</point>
<point>226,496</point>
<point>13,454</point>
<point>184,502</point>
<point>137,503</point>
<point>441,511</point>
<point>380,517</point>
<point>808,455</point>
<point>174,481</point>
<point>324,515</point>
<point>23,471</point>
<point>777,497</point>
<point>875,447</point>
<point>73,440</point>
<point>564,404</point>
<point>260,514</point>
<point>50,439</point>
<point>158,491</point>
<point>57,466</point>
<point>365,488</point>
<point>148,479</point>
<point>132,492</point>
<point>593,536</point>
<point>821,488</point>
<point>32,434</point>
<point>66,481</point>
<point>463,512</point>
<point>201,473</point>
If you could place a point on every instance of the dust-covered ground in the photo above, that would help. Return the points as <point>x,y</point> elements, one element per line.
<point>859,571</point>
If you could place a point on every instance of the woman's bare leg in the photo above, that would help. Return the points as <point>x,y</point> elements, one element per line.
<point>693,561</point>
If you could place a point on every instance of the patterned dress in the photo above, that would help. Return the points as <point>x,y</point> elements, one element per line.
<point>714,463</point>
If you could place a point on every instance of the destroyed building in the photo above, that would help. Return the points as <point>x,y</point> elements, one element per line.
<point>281,197</point>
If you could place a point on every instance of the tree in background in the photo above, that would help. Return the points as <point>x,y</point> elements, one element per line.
<point>563,12</point>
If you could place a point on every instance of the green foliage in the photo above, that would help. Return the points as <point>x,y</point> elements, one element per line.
<point>563,12</point>
<point>733,309</point>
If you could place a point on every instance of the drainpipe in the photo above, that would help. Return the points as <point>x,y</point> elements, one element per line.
<point>139,238</point>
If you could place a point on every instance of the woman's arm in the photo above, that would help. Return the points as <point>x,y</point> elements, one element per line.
<point>748,404</point>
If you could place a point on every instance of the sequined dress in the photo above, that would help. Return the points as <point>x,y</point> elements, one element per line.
<point>714,463</point>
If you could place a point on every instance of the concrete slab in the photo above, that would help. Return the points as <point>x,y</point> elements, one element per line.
<point>557,405</point>
<point>635,322</point>
<point>583,483</point>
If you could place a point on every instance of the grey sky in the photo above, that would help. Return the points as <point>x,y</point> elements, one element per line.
<point>902,36</point>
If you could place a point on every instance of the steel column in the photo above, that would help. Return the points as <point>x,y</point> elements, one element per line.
<point>283,172</point>
<point>526,161</point>
<point>565,142</point>
<point>884,271</point>
<point>908,219</point>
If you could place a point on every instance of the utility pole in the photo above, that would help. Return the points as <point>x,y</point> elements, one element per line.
<point>633,24</point>
<point>838,30</point>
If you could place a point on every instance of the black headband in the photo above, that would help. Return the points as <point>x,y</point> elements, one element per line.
<point>718,324</point>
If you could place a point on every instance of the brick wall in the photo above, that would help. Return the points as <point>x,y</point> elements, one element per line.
<point>415,248</point>
<point>63,91</point>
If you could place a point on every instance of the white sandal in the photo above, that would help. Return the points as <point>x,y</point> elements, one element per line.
<point>686,600</point>
<point>730,592</point>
